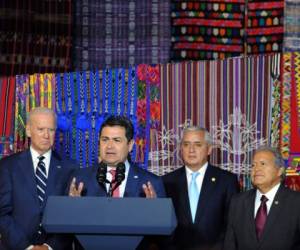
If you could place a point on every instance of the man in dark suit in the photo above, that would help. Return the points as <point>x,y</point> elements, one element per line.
<point>201,194</point>
<point>26,180</point>
<point>268,216</point>
<point>116,141</point>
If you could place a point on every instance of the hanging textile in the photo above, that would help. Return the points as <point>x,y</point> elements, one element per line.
<point>118,33</point>
<point>293,152</point>
<point>35,36</point>
<point>86,99</point>
<point>264,32</point>
<point>7,99</point>
<point>291,25</point>
<point>232,98</point>
<point>31,91</point>
<point>207,29</point>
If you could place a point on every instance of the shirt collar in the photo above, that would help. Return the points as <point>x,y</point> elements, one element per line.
<point>270,194</point>
<point>35,154</point>
<point>201,170</point>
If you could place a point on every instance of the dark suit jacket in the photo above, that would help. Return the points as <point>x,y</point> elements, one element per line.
<point>282,228</point>
<point>208,230</point>
<point>136,178</point>
<point>20,212</point>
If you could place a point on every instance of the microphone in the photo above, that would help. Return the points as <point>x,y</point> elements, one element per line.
<point>119,177</point>
<point>101,173</point>
<point>120,172</point>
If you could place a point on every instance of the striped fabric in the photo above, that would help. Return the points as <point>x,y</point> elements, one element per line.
<point>7,101</point>
<point>207,29</point>
<point>232,98</point>
<point>264,32</point>
<point>118,33</point>
<point>291,25</point>
<point>35,36</point>
<point>31,91</point>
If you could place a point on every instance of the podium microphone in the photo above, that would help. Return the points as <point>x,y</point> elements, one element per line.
<point>101,173</point>
<point>120,176</point>
<point>120,173</point>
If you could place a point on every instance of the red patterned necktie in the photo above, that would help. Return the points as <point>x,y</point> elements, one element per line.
<point>116,192</point>
<point>261,216</point>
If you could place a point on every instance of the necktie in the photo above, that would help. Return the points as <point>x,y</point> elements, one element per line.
<point>194,195</point>
<point>116,192</point>
<point>261,216</point>
<point>41,179</point>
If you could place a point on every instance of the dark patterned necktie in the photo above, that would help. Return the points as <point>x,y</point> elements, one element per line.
<point>261,216</point>
<point>41,179</point>
<point>116,192</point>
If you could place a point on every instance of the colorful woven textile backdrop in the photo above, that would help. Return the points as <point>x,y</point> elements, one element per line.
<point>83,100</point>
<point>232,98</point>
<point>7,99</point>
<point>35,36</point>
<point>207,29</point>
<point>31,91</point>
<point>292,25</point>
<point>290,129</point>
<point>264,32</point>
<point>118,33</point>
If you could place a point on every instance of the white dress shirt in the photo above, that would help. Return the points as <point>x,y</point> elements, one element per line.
<point>123,183</point>
<point>35,160</point>
<point>200,177</point>
<point>270,195</point>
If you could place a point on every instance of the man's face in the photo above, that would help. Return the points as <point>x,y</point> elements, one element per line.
<point>194,149</point>
<point>114,147</point>
<point>264,173</point>
<point>41,130</point>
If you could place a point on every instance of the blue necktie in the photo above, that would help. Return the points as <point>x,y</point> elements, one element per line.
<point>194,194</point>
<point>41,179</point>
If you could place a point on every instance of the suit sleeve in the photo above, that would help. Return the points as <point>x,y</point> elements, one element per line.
<point>230,241</point>
<point>159,187</point>
<point>12,235</point>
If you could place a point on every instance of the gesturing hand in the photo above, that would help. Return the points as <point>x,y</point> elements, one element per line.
<point>149,190</point>
<point>75,191</point>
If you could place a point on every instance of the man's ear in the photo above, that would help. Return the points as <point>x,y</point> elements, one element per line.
<point>130,144</point>
<point>210,147</point>
<point>28,132</point>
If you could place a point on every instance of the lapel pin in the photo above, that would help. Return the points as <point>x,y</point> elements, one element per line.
<point>276,202</point>
<point>58,166</point>
<point>213,179</point>
<point>135,177</point>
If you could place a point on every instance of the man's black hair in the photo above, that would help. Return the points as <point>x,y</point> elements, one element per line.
<point>121,121</point>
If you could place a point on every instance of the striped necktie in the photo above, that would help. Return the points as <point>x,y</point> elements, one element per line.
<point>116,192</point>
<point>41,179</point>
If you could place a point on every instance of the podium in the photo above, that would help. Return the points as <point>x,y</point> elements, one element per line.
<point>109,223</point>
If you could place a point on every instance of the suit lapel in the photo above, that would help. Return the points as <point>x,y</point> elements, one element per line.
<point>182,187</point>
<point>26,167</point>
<point>132,188</point>
<point>207,189</point>
<point>250,221</point>
<point>54,168</point>
<point>274,213</point>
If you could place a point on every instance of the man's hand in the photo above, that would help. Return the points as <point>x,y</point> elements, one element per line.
<point>73,191</point>
<point>149,190</point>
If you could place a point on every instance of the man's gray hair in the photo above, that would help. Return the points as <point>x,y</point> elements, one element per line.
<point>41,110</point>
<point>278,158</point>
<point>207,136</point>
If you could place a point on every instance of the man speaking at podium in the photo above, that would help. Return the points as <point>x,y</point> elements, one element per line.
<point>116,176</point>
